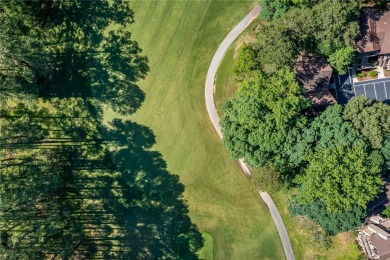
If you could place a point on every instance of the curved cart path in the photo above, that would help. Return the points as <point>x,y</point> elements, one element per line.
<point>209,96</point>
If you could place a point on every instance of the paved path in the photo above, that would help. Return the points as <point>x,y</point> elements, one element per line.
<point>279,225</point>
<point>212,111</point>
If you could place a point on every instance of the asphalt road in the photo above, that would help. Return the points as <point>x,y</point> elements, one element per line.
<point>212,111</point>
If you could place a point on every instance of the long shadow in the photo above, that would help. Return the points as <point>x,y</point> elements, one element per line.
<point>125,204</point>
<point>109,195</point>
<point>92,55</point>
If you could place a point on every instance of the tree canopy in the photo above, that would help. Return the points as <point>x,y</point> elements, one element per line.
<point>341,177</point>
<point>327,28</point>
<point>259,121</point>
<point>370,118</point>
<point>332,223</point>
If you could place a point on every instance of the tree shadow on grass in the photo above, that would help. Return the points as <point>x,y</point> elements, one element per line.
<point>134,208</point>
<point>92,55</point>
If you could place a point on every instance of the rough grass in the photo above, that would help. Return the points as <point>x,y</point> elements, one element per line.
<point>180,38</point>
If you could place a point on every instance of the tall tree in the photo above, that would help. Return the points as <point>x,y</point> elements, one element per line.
<point>341,177</point>
<point>370,118</point>
<point>260,121</point>
<point>22,59</point>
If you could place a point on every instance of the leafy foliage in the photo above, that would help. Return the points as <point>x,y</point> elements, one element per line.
<point>332,223</point>
<point>21,47</point>
<point>266,179</point>
<point>326,28</point>
<point>336,25</point>
<point>370,118</point>
<point>70,186</point>
<point>386,212</point>
<point>245,63</point>
<point>276,47</point>
<point>259,121</point>
<point>275,9</point>
<point>341,177</point>
<point>341,59</point>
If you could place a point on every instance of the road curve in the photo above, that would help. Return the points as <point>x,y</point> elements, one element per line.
<point>212,111</point>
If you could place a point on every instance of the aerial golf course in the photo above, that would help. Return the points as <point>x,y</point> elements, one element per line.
<point>179,39</point>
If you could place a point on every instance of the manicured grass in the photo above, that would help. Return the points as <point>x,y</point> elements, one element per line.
<point>180,38</point>
<point>207,252</point>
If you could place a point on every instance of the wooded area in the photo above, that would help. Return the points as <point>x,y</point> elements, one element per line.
<point>71,186</point>
<point>331,163</point>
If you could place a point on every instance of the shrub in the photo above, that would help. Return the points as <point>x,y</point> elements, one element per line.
<point>359,75</point>
<point>386,212</point>
<point>364,74</point>
<point>373,73</point>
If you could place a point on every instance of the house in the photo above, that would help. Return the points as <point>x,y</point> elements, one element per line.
<point>375,240</point>
<point>373,43</point>
<point>315,74</point>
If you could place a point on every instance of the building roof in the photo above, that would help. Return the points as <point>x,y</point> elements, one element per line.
<point>382,246</point>
<point>382,233</point>
<point>374,32</point>
<point>314,74</point>
<point>376,219</point>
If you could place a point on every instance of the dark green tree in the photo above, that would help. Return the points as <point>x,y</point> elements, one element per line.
<point>332,223</point>
<point>22,59</point>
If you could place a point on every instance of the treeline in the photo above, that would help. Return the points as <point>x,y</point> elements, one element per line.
<point>333,164</point>
<point>71,186</point>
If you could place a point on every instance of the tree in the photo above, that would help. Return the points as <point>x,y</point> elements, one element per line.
<point>276,47</point>
<point>266,179</point>
<point>341,59</point>
<point>275,9</point>
<point>370,118</point>
<point>260,121</point>
<point>245,63</point>
<point>332,223</point>
<point>327,28</point>
<point>386,212</point>
<point>327,130</point>
<point>336,25</point>
<point>22,59</point>
<point>341,177</point>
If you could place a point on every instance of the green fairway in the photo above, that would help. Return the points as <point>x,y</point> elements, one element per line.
<point>207,252</point>
<point>180,38</point>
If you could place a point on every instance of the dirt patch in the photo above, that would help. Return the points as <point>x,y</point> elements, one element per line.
<point>387,73</point>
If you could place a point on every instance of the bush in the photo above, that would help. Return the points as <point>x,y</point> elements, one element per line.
<point>386,212</point>
<point>373,73</point>
<point>359,76</point>
<point>364,74</point>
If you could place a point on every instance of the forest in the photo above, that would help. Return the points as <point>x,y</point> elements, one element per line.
<point>72,186</point>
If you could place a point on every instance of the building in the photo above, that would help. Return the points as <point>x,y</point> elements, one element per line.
<point>373,43</point>
<point>374,239</point>
<point>315,75</point>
